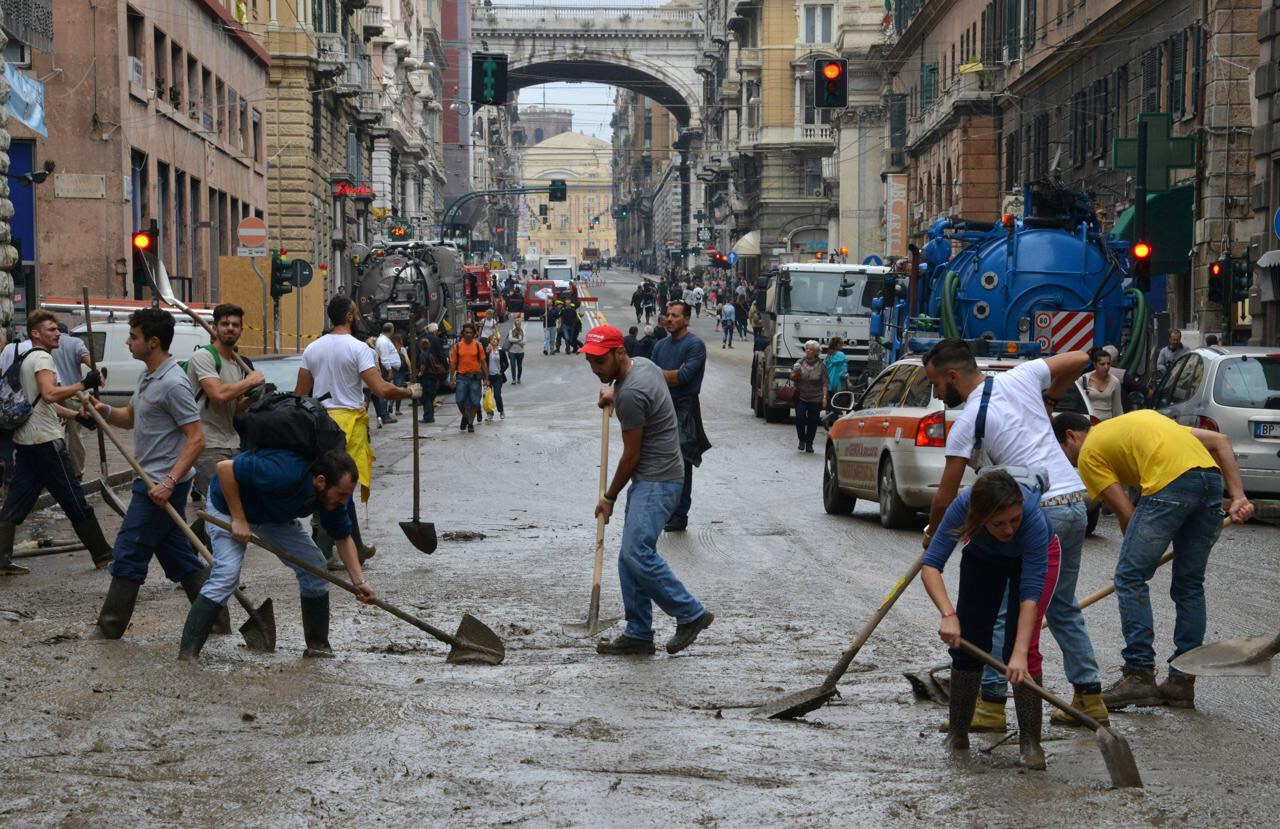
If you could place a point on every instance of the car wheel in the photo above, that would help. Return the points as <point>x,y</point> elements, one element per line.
<point>1095,510</point>
<point>834,501</point>
<point>894,513</point>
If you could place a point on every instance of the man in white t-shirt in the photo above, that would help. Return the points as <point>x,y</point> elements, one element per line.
<point>41,450</point>
<point>335,369</point>
<point>389,357</point>
<point>698,294</point>
<point>1013,429</point>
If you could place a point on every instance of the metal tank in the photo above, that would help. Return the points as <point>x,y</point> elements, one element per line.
<point>411,284</point>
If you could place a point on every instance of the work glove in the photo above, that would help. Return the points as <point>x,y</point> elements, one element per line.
<point>92,381</point>
<point>86,420</point>
<point>415,391</point>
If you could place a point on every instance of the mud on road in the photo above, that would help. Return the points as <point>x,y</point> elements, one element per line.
<point>387,734</point>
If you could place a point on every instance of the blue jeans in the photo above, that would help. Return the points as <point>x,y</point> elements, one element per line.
<point>644,576</point>
<point>228,556</point>
<point>466,394</point>
<point>146,531</point>
<point>1187,514</point>
<point>548,335</point>
<point>1066,620</point>
<point>380,407</point>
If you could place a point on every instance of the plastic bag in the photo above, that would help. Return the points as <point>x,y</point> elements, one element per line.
<point>489,406</point>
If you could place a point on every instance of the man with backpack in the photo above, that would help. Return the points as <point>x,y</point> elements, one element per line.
<point>432,368</point>
<point>263,492</point>
<point>40,449</point>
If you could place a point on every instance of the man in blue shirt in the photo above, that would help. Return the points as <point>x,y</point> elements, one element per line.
<point>682,356</point>
<point>264,493</point>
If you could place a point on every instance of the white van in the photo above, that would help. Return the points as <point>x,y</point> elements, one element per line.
<point>111,352</point>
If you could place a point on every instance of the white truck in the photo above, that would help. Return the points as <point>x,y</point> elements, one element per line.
<point>559,267</point>
<point>810,301</point>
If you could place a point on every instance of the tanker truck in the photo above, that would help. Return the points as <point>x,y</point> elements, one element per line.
<point>411,284</point>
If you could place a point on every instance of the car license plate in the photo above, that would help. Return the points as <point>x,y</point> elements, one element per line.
<point>1266,429</point>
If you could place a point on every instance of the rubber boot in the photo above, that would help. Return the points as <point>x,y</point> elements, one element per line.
<point>964,698</point>
<point>315,626</point>
<point>988,717</point>
<point>326,545</point>
<point>201,618</point>
<point>191,586</point>
<point>7,567</point>
<point>89,531</point>
<point>1091,704</point>
<point>366,553</point>
<point>117,608</point>
<point>1029,711</point>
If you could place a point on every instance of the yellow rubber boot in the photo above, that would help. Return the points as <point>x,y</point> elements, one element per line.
<point>988,717</point>
<point>1091,704</point>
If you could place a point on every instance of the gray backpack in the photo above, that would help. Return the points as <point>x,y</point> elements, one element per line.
<point>15,409</point>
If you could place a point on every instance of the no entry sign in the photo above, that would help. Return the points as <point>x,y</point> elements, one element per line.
<point>252,233</point>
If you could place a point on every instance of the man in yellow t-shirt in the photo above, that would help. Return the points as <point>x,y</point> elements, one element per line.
<point>1180,471</point>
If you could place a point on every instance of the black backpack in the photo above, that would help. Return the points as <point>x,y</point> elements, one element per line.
<point>15,408</point>
<point>286,421</point>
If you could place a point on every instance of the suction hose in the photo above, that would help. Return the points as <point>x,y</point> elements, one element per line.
<point>947,308</point>
<point>1135,350</point>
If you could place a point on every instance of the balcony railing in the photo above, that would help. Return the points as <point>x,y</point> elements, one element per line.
<point>967,88</point>
<point>813,132</point>
<point>370,20</point>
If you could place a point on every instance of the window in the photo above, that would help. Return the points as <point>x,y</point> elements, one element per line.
<point>1012,159</point>
<point>137,35</point>
<point>1197,66</point>
<point>817,24</point>
<point>873,392</point>
<point>1075,121</point>
<point>920,392</point>
<point>219,108</point>
<point>259,146</point>
<point>176,75</point>
<point>1040,147</point>
<point>928,85</point>
<point>897,385</point>
<point>1151,80</point>
<point>317,112</point>
<point>160,56</point>
<point>1177,85</point>
<point>1184,388</point>
<point>1252,383</point>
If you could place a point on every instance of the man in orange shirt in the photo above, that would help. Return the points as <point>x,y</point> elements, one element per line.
<point>469,374</point>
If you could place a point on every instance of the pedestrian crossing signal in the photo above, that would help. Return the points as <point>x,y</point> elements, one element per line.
<point>830,83</point>
<point>488,79</point>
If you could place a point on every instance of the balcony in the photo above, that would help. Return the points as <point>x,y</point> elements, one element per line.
<point>369,107</point>
<point>970,92</point>
<point>354,5</point>
<point>331,53</point>
<point>813,132</point>
<point>370,20</point>
<point>749,59</point>
<point>350,82</point>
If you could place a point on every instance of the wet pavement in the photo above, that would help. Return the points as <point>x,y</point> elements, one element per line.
<point>389,734</point>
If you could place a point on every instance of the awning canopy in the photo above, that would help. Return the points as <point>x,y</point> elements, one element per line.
<point>748,245</point>
<point>1170,228</point>
<point>1270,259</point>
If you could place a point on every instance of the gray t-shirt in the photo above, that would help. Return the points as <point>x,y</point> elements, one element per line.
<point>43,426</point>
<point>219,427</point>
<point>162,404</point>
<point>67,357</point>
<point>641,399</point>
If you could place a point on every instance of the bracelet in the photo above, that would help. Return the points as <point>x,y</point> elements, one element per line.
<point>952,613</point>
<point>110,409</point>
<point>604,497</point>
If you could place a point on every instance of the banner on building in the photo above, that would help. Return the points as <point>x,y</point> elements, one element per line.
<point>26,102</point>
<point>895,213</point>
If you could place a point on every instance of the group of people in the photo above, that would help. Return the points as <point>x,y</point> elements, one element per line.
<point>562,326</point>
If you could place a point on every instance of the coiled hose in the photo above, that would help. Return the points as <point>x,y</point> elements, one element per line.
<point>947,308</point>
<point>1139,337</point>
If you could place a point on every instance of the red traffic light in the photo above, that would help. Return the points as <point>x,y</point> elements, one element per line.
<point>832,71</point>
<point>141,241</point>
<point>1215,269</point>
<point>1141,250</point>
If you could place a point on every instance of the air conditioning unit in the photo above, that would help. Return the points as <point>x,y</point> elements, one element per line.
<point>135,70</point>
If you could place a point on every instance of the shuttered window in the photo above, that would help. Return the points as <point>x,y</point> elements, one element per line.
<point>1177,85</point>
<point>1197,66</point>
<point>1151,80</point>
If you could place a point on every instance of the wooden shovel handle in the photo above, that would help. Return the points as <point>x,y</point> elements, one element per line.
<point>1048,696</point>
<point>846,658</point>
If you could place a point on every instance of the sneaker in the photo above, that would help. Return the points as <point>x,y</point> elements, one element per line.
<point>685,634</point>
<point>1179,690</point>
<point>502,416</point>
<point>8,568</point>
<point>379,422</point>
<point>624,645</point>
<point>471,428</point>
<point>390,419</point>
<point>1137,686</point>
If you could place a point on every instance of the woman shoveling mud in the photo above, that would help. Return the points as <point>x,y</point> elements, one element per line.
<point>1009,548</point>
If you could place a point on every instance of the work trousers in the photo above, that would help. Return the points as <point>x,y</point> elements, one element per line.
<point>38,467</point>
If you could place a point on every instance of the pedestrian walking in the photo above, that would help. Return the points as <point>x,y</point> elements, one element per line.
<point>433,367</point>
<point>572,320</point>
<point>68,357</point>
<point>682,356</point>
<point>698,295</point>
<point>488,325</point>
<point>644,347</point>
<point>264,493</point>
<point>8,355</point>
<point>550,322</point>
<point>728,321</point>
<point>629,342</point>
<point>837,364</point>
<point>650,470</point>
<point>515,350</point>
<point>1181,472</point>
<point>809,376</point>
<point>389,359</point>
<point>167,439</point>
<point>1008,544</point>
<point>468,366</point>
<point>498,363</point>
<point>335,370</point>
<point>740,316</point>
<point>1102,387</point>
<point>1004,423</point>
<point>40,451</point>
<point>637,302</point>
<point>563,328</point>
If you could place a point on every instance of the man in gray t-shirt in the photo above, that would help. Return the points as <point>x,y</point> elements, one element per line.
<point>651,462</point>
<point>68,357</point>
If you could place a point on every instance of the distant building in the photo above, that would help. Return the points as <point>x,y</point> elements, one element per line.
<point>537,124</point>
<point>586,218</point>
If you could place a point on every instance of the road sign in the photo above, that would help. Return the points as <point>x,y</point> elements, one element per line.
<point>873,260</point>
<point>732,258</point>
<point>1043,342</point>
<point>1275,224</point>
<point>1071,331</point>
<point>252,233</point>
<point>704,234</point>
<point>300,273</point>
<point>1043,320</point>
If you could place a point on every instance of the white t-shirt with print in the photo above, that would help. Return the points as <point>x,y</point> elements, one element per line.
<point>336,361</point>
<point>43,426</point>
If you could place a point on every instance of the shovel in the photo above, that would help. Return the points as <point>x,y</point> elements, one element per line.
<point>594,624</point>
<point>1246,656</point>
<point>108,494</point>
<point>1115,748</point>
<point>39,552</point>
<point>421,535</point>
<point>259,630</point>
<point>802,702</point>
<point>474,642</point>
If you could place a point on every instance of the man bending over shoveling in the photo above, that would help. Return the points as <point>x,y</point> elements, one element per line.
<point>264,493</point>
<point>652,463</point>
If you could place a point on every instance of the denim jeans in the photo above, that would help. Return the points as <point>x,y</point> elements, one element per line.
<point>379,405</point>
<point>517,365</point>
<point>1187,514</point>
<point>644,576</point>
<point>39,467</point>
<point>807,415</point>
<point>146,531</point>
<point>548,336</point>
<point>495,383</point>
<point>466,394</point>
<point>228,557</point>
<point>430,388</point>
<point>1066,620</point>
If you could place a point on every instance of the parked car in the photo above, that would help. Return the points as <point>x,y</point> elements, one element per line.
<point>1236,391</point>
<point>111,353</point>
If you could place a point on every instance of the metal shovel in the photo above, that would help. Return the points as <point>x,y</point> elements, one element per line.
<point>473,643</point>
<point>1246,656</point>
<point>108,494</point>
<point>1115,748</point>
<point>594,624</point>
<point>802,702</point>
<point>259,631</point>
<point>420,534</point>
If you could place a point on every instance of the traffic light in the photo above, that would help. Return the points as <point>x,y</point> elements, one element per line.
<point>1218,280</point>
<point>281,273</point>
<point>830,83</point>
<point>558,190</point>
<point>488,79</point>
<point>625,211</point>
<point>143,244</point>
<point>1140,254</point>
<point>1241,279</point>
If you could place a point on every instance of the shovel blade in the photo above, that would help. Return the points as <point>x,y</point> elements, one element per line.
<point>925,686</point>
<point>421,534</point>
<point>259,630</point>
<point>476,645</point>
<point>1246,656</point>
<point>1119,759</point>
<point>795,705</point>
<point>589,628</point>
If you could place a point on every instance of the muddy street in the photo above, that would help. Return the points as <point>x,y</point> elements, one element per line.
<point>388,734</point>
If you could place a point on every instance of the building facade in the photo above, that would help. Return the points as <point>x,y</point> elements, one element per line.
<point>1264,304</point>
<point>644,163</point>
<point>585,219</point>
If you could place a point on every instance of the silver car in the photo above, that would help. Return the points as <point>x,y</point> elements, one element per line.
<point>1236,391</point>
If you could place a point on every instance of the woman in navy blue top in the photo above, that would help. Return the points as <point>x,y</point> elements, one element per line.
<point>1006,540</point>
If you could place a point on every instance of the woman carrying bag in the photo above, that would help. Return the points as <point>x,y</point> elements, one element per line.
<point>498,364</point>
<point>809,376</point>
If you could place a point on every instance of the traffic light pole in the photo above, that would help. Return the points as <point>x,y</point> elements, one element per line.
<point>254,261</point>
<point>1140,186</point>
<point>475,194</point>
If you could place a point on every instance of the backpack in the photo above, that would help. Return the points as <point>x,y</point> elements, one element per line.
<point>15,409</point>
<point>286,421</point>
<point>217,366</point>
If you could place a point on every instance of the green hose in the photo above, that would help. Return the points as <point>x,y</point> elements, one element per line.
<point>947,308</point>
<point>1135,350</point>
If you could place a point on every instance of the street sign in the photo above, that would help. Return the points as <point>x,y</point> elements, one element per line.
<point>732,258</point>
<point>704,234</point>
<point>1275,224</point>
<point>1164,153</point>
<point>1072,331</point>
<point>300,273</point>
<point>1043,321</point>
<point>873,260</point>
<point>1043,342</point>
<point>252,233</point>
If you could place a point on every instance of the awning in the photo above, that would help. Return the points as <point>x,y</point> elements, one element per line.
<point>748,245</point>
<point>1270,259</point>
<point>1170,228</point>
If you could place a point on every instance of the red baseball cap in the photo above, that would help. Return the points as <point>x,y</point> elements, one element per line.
<point>602,339</point>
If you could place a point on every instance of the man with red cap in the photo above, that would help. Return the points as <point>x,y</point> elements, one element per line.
<point>651,462</point>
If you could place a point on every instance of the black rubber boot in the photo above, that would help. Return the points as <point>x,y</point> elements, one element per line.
<point>89,531</point>
<point>1030,712</point>
<point>117,608</point>
<point>964,698</point>
<point>201,618</point>
<point>191,586</point>
<point>7,567</point>
<point>366,553</point>
<point>315,626</point>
